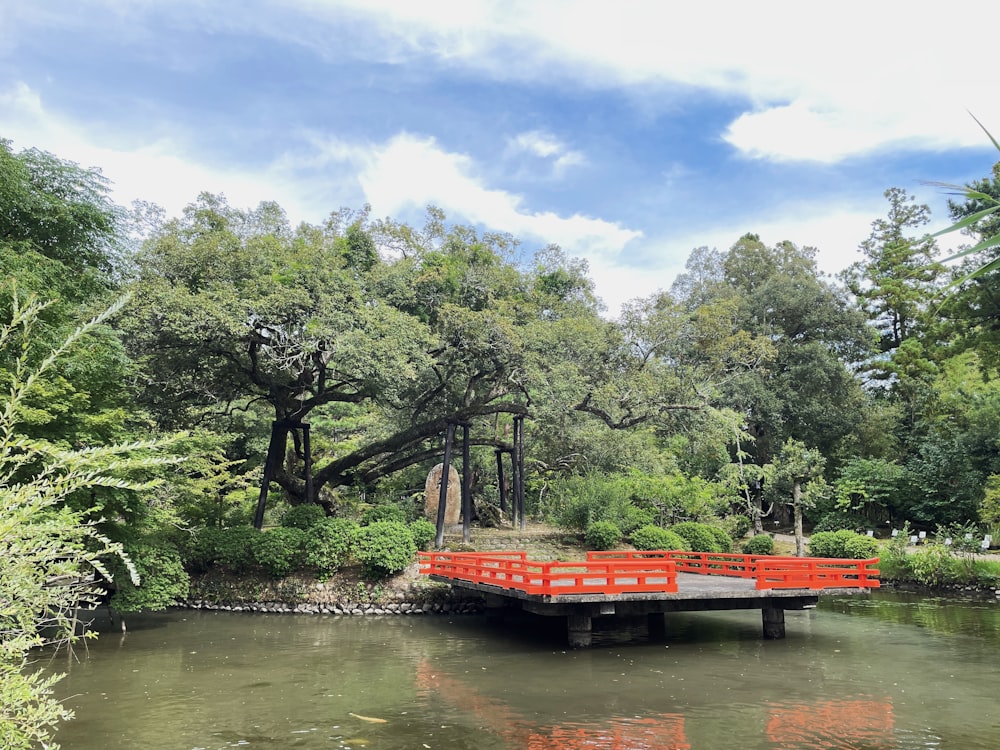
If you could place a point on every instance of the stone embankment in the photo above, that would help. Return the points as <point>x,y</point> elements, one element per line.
<point>460,606</point>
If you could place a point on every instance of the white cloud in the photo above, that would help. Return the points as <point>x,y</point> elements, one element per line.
<point>162,170</point>
<point>411,172</point>
<point>543,145</point>
<point>820,84</point>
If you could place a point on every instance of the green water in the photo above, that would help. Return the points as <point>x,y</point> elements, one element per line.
<point>890,671</point>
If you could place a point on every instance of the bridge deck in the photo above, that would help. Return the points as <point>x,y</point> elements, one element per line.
<point>649,583</point>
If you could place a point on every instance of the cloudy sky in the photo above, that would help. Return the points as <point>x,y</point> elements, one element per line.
<point>626,132</point>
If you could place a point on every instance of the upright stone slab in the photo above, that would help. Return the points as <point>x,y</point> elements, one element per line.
<point>453,511</point>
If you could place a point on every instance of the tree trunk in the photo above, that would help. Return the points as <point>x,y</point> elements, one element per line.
<point>800,547</point>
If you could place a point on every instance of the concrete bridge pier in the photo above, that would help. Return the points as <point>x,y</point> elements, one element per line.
<point>774,622</point>
<point>579,630</point>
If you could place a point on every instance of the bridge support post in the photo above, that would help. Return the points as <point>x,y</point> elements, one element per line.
<point>657,624</point>
<point>774,622</point>
<point>578,631</point>
<point>495,606</point>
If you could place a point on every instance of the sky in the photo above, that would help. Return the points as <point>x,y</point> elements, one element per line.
<point>626,132</point>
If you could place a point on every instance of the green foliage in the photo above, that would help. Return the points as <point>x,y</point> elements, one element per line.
<point>722,539</point>
<point>837,520</point>
<point>234,547</point>
<point>629,500</point>
<point>279,551</point>
<point>385,512</point>
<point>933,565</point>
<point>328,544</point>
<point>702,537</point>
<point>601,535</point>
<point>50,549</point>
<point>831,543</point>
<point>384,547</point>
<point>164,581</point>
<point>760,544</point>
<point>736,526</point>
<point>302,517</point>
<point>423,532</point>
<point>656,538</point>
<point>861,547</point>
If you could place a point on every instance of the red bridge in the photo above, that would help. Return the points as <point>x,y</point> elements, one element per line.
<point>649,583</point>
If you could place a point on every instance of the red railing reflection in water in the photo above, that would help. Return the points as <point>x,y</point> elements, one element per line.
<point>628,571</point>
<point>850,723</point>
<point>860,722</point>
<point>659,732</point>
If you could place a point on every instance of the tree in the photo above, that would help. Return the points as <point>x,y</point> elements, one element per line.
<point>799,466</point>
<point>52,552</point>
<point>896,280</point>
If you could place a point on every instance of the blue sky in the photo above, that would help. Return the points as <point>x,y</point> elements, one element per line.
<point>628,133</point>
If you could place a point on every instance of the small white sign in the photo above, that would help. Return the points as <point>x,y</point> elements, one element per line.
<point>988,538</point>
<point>913,539</point>
<point>947,542</point>
<point>895,533</point>
<point>922,534</point>
<point>985,544</point>
<point>871,533</point>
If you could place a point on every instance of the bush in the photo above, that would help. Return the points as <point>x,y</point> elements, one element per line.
<point>603,535</point>
<point>700,536</point>
<point>377,513</point>
<point>423,532</point>
<point>201,549</point>
<point>761,544</point>
<point>302,516</point>
<point>933,566</point>
<point>722,539</point>
<point>384,547</point>
<point>279,551</point>
<point>655,538</point>
<point>736,526</point>
<point>861,547</point>
<point>830,543</point>
<point>840,520</point>
<point>163,580</point>
<point>327,545</point>
<point>235,547</point>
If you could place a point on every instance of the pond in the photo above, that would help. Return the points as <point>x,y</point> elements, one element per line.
<point>889,671</point>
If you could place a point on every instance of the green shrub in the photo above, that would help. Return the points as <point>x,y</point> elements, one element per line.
<point>279,551</point>
<point>384,547</point>
<point>861,547</point>
<point>700,536</point>
<point>302,516</point>
<point>933,565</point>
<point>200,551</point>
<point>377,513</point>
<point>163,580</point>
<point>423,532</point>
<point>736,526</point>
<point>841,520</point>
<point>655,538</point>
<point>830,543</point>
<point>761,544</point>
<point>602,535</point>
<point>327,545</point>
<point>235,547</point>
<point>722,539</point>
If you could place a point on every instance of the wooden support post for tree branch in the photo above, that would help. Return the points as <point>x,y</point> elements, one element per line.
<point>307,456</point>
<point>515,474</point>
<point>278,431</point>
<point>466,486</point>
<point>500,480</point>
<point>443,495</point>
<point>519,460</point>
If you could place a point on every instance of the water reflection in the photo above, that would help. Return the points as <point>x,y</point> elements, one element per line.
<point>848,677</point>
<point>860,723</point>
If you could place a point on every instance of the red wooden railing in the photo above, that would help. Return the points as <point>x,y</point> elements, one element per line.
<point>513,570</point>
<point>629,571</point>
<point>770,572</point>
